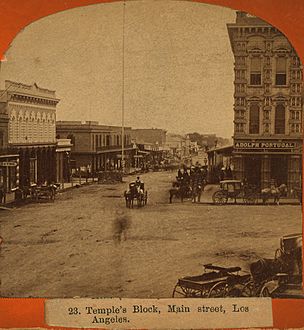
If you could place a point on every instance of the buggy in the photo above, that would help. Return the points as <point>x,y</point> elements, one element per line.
<point>137,193</point>
<point>234,189</point>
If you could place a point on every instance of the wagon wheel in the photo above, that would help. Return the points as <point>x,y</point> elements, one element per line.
<point>249,290</point>
<point>220,197</point>
<point>265,292</point>
<point>218,290</point>
<point>250,199</point>
<point>182,292</point>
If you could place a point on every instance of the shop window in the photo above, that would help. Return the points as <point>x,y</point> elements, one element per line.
<point>281,71</point>
<point>254,119</point>
<point>280,119</point>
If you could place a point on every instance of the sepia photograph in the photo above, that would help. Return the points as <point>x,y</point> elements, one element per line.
<point>151,149</point>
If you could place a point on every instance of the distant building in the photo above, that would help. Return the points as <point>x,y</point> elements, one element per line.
<point>27,129</point>
<point>153,136</point>
<point>96,147</point>
<point>268,104</point>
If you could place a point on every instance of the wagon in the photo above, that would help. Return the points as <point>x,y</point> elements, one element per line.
<point>215,282</point>
<point>280,277</point>
<point>44,192</point>
<point>234,189</point>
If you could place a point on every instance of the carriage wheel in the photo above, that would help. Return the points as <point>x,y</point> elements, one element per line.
<point>219,198</point>
<point>250,199</point>
<point>265,292</point>
<point>249,290</point>
<point>218,290</point>
<point>182,292</point>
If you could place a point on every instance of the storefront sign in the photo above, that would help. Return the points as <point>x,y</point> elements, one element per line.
<point>8,164</point>
<point>264,145</point>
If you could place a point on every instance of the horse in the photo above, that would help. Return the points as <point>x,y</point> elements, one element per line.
<point>197,190</point>
<point>273,192</point>
<point>179,190</point>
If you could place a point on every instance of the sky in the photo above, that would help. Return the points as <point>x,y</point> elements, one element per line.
<point>178,64</point>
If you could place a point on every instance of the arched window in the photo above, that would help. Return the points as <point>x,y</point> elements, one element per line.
<point>279,119</point>
<point>254,119</point>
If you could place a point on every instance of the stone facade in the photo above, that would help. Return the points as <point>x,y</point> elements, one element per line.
<point>28,114</point>
<point>267,104</point>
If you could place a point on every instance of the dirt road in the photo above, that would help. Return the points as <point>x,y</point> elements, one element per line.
<point>70,248</point>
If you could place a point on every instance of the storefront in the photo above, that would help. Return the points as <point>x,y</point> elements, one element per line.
<point>263,162</point>
<point>9,175</point>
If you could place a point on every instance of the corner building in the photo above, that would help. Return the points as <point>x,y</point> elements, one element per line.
<point>268,104</point>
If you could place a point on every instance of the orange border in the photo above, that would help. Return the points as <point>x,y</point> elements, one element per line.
<point>16,14</point>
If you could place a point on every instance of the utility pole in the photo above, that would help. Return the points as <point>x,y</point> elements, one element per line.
<point>123,92</point>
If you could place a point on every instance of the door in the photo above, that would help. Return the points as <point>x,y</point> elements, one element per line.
<point>279,170</point>
<point>253,170</point>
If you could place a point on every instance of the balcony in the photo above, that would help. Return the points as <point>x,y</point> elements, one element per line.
<point>114,148</point>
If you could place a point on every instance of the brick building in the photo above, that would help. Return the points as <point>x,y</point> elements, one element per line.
<point>267,104</point>
<point>96,147</point>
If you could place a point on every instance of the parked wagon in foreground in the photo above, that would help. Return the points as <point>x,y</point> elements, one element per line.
<point>215,282</point>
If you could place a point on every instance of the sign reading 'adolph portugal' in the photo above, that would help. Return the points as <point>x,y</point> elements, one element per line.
<point>264,145</point>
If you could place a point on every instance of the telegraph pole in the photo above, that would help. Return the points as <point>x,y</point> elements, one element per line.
<point>123,92</point>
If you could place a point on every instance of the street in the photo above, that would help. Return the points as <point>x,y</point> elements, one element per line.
<point>68,248</point>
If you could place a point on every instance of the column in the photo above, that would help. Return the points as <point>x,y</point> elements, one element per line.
<point>265,174</point>
<point>294,172</point>
<point>238,164</point>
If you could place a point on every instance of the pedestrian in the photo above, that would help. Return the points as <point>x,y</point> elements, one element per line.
<point>121,225</point>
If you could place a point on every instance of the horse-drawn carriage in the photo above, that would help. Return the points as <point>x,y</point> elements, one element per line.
<point>280,277</point>
<point>234,189</point>
<point>36,193</point>
<point>136,192</point>
<point>215,282</point>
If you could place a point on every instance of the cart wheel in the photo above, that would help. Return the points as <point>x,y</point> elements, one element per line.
<point>250,199</point>
<point>219,290</point>
<point>219,198</point>
<point>182,292</point>
<point>249,290</point>
<point>265,292</point>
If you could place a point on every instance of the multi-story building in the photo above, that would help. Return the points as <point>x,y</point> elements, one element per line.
<point>268,104</point>
<point>28,117</point>
<point>96,147</point>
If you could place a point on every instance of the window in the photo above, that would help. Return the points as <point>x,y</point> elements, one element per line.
<point>254,119</point>
<point>281,71</point>
<point>1,139</point>
<point>280,119</point>
<point>255,71</point>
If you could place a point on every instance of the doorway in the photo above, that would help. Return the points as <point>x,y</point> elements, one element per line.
<point>252,170</point>
<point>279,169</point>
